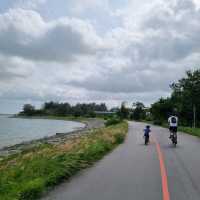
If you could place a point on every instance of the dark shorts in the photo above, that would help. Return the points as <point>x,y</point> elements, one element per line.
<point>173,129</point>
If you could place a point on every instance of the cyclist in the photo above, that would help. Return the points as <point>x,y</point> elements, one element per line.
<point>173,124</point>
<point>147,131</point>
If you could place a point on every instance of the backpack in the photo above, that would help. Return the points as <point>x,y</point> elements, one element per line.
<point>173,120</point>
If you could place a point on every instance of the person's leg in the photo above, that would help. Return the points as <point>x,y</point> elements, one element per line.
<point>146,139</point>
<point>170,131</point>
<point>175,134</point>
<point>175,131</point>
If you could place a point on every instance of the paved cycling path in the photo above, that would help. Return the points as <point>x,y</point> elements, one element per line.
<point>133,171</point>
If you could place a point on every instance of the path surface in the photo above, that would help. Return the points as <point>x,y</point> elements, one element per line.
<point>132,171</point>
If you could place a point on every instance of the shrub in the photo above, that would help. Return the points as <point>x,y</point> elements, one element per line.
<point>112,121</point>
<point>119,138</point>
<point>158,122</point>
<point>148,118</point>
<point>32,189</point>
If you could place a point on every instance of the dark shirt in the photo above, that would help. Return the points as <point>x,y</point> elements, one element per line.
<point>146,132</point>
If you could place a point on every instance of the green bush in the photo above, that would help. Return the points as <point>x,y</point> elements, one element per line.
<point>158,122</point>
<point>119,138</point>
<point>148,118</point>
<point>112,121</point>
<point>32,189</point>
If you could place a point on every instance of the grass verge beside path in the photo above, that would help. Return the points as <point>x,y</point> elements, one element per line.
<point>27,175</point>
<point>189,130</point>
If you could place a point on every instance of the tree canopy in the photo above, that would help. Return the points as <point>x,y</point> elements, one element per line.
<point>64,109</point>
<point>138,113</point>
<point>185,98</point>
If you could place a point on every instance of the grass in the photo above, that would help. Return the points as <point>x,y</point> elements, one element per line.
<point>27,175</point>
<point>189,130</point>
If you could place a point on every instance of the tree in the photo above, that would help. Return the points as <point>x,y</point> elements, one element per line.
<point>187,90</point>
<point>28,110</point>
<point>123,112</point>
<point>162,109</point>
<point>185,98</point>
<point>139,112</point>
<point>138,105</point>
<point>101,107</point>
<point>65,109</point>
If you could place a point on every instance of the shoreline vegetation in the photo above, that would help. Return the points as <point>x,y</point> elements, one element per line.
<point>31,173</point>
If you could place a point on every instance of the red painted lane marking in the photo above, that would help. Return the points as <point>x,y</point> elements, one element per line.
<point>163,172</point>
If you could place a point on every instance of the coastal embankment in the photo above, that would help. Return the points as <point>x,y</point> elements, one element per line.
<point>40,165</point>
<point>57,138</point>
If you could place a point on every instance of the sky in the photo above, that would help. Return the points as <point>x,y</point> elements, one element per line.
<point>94,51</point>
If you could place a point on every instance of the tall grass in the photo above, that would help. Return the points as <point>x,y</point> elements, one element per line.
<point>26,175</point>
<point>189,130</point>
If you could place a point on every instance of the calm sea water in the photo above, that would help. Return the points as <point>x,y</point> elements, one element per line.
<point>16,130</point>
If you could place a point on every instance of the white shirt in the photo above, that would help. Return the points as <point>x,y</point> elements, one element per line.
<point>173,124</point>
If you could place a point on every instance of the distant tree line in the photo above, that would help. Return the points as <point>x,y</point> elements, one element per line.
<point>184,101</point>
<point>137,112</point>
<point>86,110</point>
<point>64,109</point>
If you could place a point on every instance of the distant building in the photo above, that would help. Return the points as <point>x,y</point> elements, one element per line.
<point>104,113</point>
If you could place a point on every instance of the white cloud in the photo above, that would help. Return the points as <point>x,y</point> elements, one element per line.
<point>29,4</point>
<point>24,33</point>
<point>197,3</point>
<point>14,67</point>
<point>79,6</point>
<point>155,52</point>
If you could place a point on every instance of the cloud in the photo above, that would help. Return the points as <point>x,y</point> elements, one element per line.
<point>157,51</point>
<point>29,4</point>
<point>134,56</point>
<point>13,68</point>
<point>79,6</point>
<point>25,34</point>
<point>172,31</point>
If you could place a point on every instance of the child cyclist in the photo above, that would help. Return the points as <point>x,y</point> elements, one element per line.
<point>147,131</point>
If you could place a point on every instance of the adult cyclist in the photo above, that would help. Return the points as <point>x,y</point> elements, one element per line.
<point>173,124</point>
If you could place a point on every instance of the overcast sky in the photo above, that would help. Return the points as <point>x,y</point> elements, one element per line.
<point>94,50</point>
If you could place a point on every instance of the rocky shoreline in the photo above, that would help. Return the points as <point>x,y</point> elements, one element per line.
<point>58,138</point>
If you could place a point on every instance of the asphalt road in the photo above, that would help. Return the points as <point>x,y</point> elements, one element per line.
<point>133,171</point>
